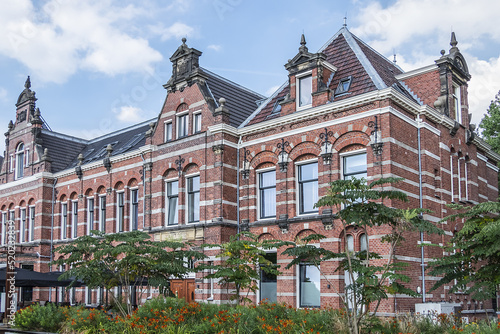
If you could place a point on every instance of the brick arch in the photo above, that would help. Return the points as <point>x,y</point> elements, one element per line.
<point>262,158</point>
<point>4,207</point>
<point>170,173</point>
<point>351,138</point>
<point>89,192</point>
<point>182,107</point>
<point>31,201</point>
<point>63,198</point>
<point>11,206</point>
<point>73,195</point>
<point>266,236</point>
<point>101,190</point>
<point>191,168</point>
<point>119,185</point>
<point>304,148</point>
<point>356,233</point>
<point>22,203</point>
<point>132,182</point>
<point>302,234</point>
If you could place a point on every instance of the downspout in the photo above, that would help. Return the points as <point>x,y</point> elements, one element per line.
<point>238,186</point>
<point>422,254</point>
<point>52,231</point>
<point>144,193</point>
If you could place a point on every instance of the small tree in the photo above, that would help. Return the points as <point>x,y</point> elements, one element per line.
<point>127,259</point>
<point>241,260</point>
<point>371,278</point>
<point>473,253</point>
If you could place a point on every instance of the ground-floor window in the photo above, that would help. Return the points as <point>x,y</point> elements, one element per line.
<point>268,282</point>
<point>309,286</point>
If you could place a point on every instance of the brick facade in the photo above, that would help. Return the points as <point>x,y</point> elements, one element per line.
<point>351,86</point>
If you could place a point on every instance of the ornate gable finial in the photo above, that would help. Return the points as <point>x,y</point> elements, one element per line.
<point>453,41</point>
<point>27,84</point>
<point>303,48</point>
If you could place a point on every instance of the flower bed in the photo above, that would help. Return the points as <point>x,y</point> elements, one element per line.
<point>174,316</point>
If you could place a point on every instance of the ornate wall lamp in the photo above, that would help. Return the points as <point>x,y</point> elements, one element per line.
<point>245,172</point>
<point>376,144</point>
<point>283,155</point>
<point>107,161</point>
<point>179,163</point>
<point>78,168</point>
<point>326,151</point>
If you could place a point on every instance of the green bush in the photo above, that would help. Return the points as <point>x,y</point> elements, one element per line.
<point>48,318</point>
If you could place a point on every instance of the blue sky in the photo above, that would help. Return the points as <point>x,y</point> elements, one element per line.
<point>99,65</point>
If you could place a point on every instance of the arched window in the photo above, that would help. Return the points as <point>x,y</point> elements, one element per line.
<point>19,161</point>
<point>363,242</point>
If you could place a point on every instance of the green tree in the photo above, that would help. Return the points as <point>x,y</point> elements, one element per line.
<point>127,259</point>
<point>473,253</point>
<point>371,277</point>
<point>490,124</point>
<point>241,260</point>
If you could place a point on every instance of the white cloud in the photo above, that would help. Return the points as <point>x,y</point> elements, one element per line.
<point>64,36</point>
<point>214,47</point>
<point>129,114</point>
<point>419,29</point>
<point>176,30</point>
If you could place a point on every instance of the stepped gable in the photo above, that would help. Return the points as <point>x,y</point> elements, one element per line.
<point>368,70</point>
<point>240,101</point>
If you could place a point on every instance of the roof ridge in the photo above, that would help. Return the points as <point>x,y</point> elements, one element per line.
<point>65,136</point>
<point>119,131</point>
<point>262,105</point>
<point>363,59</point>
<point>231,82</point>
<point>377,53</point>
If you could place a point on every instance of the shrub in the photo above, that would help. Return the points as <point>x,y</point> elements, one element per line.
<point>48,318</point>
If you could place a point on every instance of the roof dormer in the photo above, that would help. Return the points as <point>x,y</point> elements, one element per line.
<point>308,76</point>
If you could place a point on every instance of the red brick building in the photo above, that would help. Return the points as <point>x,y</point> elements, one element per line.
<point>220,158</point>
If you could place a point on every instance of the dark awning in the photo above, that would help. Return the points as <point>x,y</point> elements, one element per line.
<point>25,277</point>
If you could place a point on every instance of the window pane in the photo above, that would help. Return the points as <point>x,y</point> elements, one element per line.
<point>194,199</point>
<point>268,202</point>
<point>309,286</point>
<point>268,282</point>
<point>309,196</point>
<point>363,242</point>
<point>305,90</point>
<point>172,198</point>
<point>350,243</point>
<point>268,179</point>
<point>309,172</point>
<point>355,164</point>
<point>168,131</point>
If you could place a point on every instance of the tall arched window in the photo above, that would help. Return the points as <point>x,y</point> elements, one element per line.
<point>19,161</point>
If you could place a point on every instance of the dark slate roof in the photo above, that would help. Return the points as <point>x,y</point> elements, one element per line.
<point>63,150</point>
<point>353,58</point>
<point>240,101</point>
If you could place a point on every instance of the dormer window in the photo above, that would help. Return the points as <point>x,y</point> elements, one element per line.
<point>457,103</point>
<point>19,161</point>
<point>343,86</point>
<point>304,91</point>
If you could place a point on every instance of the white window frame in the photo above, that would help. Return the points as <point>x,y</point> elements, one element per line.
<point>27,157</point>
<point>259,199</point>
<point>452,188</point>
<point>19,169</point>
<point>188,178</point>
<point>168,135</point>
<point>466,180</point>
<point>197,122</point>
<point>120,213</point>
<point>132,206</point>
<point>31,223</point>
<point>90,214</point>
<point>102,213</point>
<point>297,186</point>
<point>64,221</point>
<point>457,100</point>
<point>299,281</point>
<point>298,78</point>
<point>74,219</point>
<point>22,225</point>
<point>4,228</point>
<point>167,202</point>
<point>11,163</point>
<point>459,180</point>
<point>347,154</point>
<point>88,296</point>
<point>179,116</point>
<point>259,286</point>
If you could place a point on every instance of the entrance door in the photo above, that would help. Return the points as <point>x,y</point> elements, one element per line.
<point>183,289</point>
